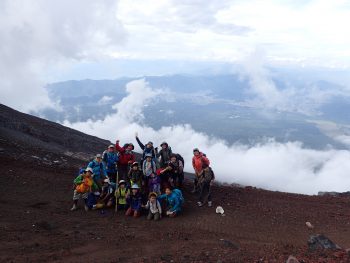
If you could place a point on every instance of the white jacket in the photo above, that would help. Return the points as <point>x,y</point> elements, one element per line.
<point>154,207</point>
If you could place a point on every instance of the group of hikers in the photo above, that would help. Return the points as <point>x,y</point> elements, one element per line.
<point>116,179</point>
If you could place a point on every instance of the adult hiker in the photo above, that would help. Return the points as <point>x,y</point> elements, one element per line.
<point>83,185</point>
<point>99,170</point>
<point>110,159</point>
<point>164,154</point>
<point>174,171</point>
<point>205,181</point>
<point>147,149</point>
<point>198,160</point>
<point>126,158</point>
<point>173,201</point>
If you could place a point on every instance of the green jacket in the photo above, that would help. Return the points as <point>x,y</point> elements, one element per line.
<point>120,194</point>
<point>80,179</point>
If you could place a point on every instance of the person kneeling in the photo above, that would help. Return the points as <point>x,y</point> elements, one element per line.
<point>134,200</point>
<point>155,209</point>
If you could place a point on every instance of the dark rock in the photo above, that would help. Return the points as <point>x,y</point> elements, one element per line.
<point>228,243</point>
<point>321,242</point>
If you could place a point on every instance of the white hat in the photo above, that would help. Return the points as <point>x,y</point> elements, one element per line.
<point>89,169</point>
<point>219,210</point>
<point>107,181</point>
<point>111,146</point>
<point>98,155</point>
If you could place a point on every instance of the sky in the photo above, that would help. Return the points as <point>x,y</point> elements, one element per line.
<point>47,41</point>
<point>44,41</point>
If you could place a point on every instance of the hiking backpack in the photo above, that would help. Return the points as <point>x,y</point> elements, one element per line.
<point>179,195</point>
<point>179,157</point>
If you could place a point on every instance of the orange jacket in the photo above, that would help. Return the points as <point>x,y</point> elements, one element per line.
<point>197,162</point>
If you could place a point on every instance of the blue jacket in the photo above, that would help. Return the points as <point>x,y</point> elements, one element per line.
<point>134,201</point>
<point>110,160</point>
<point>98,168</point>
<point>173,202</point>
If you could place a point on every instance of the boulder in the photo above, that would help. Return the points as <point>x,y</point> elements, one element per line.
<point>321,242</point>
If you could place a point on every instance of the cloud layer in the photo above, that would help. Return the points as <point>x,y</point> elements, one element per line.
<point>271,165</point>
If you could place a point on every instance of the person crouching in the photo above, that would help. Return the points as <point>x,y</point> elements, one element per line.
<point>134,200</point>
<point>155,209</point>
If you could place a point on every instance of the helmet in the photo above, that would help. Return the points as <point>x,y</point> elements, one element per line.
<point>148,155</point>
<point>135,186</point>
<point>121,182</point>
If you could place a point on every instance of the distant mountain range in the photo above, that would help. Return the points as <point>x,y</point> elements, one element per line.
<point>225,106</point>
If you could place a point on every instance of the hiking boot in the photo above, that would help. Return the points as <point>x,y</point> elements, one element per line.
<point>210,203</point>
<point>74,207</point>
<point>199,204</point>
<point>86,208</point>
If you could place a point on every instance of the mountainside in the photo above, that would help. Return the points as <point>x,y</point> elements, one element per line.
<point>21,133</point>
<point>39,160</point>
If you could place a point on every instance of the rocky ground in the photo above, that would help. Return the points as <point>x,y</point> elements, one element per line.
<point>259,226</point>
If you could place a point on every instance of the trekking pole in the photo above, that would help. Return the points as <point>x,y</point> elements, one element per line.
<point>116,198</point>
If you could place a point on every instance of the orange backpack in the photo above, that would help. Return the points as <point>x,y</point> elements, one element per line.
<point>85,186</point>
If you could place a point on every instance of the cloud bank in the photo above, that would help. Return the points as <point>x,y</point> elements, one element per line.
<point>271,165</point>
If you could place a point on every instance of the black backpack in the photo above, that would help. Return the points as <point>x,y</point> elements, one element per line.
<point>179,157</point>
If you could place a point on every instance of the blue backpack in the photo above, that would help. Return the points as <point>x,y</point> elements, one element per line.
<point>179,195</point>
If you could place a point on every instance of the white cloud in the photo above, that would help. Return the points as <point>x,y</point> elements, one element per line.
<point>271,165</point>
<point>105,100</point>
<point>37,35</point>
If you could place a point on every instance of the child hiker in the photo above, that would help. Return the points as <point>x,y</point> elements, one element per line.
<point>83,185</point>
<point>135,175</point>
<point>134,200</point>
<point>155,209</point>
<point>120,195</point>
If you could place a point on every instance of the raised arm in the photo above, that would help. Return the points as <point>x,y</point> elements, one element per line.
<point>142,146</point>
<point>119,149</point>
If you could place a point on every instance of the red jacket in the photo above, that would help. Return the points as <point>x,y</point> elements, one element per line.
<point>197,162</point>
<point>124,158</point>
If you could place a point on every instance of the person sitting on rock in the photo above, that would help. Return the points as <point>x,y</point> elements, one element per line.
<point>134,200</point>
<point>205,181</point>
<point>173,201</point>
<point>198,160</point>
<point>99,170</point>
<point>164,154</point>
<point>126,158</point>
<point>110,159</point>
<point>83,185</point>
<point>120,195</point>
<point>154,207</point>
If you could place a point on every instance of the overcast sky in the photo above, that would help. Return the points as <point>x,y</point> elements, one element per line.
<point>46,41</point>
